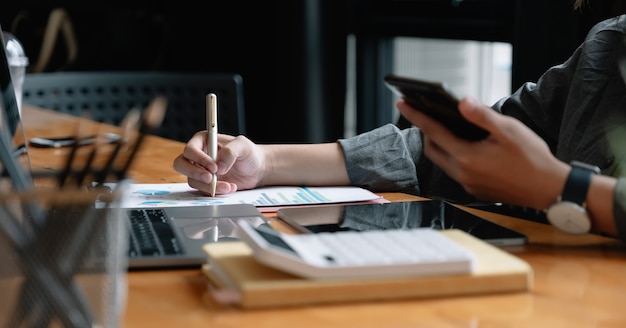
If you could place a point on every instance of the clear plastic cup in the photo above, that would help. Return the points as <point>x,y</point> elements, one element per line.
<point>17,64</point>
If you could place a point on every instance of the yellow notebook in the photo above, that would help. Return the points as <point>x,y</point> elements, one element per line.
<point>235,277</point>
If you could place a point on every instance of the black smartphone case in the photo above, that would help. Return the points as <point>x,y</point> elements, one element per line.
<point>436,101</point>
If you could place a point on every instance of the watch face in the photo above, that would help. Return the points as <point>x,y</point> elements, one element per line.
<point>569,217</point>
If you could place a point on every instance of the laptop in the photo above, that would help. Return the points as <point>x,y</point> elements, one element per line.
<point>168,237</point>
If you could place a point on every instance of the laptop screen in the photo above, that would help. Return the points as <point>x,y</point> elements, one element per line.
<point>14,158</point>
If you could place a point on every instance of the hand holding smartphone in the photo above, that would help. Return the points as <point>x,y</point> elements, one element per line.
<point>435,100</point>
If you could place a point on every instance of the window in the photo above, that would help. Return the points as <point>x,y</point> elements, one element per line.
<point>477,68</point>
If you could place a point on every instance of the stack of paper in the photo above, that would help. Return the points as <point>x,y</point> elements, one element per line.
<point>235,277</point>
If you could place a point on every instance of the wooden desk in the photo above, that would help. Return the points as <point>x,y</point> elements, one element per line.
<point>579,281</point>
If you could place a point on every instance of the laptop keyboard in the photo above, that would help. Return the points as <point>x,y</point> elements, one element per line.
<point>151,234</point>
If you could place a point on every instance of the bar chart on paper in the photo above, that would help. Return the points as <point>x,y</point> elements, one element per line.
<point>180,194</point>
<point>297,196</point>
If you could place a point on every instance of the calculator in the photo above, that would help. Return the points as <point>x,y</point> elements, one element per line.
<point>359,254</point>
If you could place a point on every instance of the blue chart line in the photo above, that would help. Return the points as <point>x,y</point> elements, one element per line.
<point>151,192</point>
<point>301,196</point>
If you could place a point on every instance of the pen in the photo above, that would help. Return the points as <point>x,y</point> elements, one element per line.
<point>211,117</point>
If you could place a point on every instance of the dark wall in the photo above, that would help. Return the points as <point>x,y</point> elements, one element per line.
<point>291,53</point>
<point>549,31</point>
<point>229,36</point>
<point>292,76</point>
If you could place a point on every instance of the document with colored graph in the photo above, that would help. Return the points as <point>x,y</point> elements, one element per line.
<point>266,199</point>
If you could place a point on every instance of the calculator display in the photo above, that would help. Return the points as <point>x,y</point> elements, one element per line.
<point>274,239</point>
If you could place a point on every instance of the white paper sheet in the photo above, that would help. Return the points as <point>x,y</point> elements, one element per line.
<point>266,199</point>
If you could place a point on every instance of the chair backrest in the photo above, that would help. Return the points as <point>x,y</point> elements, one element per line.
<point>108,95</point>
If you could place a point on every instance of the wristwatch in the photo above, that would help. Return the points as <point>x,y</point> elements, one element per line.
<point>568,213</point>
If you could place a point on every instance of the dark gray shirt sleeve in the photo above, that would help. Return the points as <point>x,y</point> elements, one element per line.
<point>392,160</point>
<point>576,105</point>
<point>384,159</point>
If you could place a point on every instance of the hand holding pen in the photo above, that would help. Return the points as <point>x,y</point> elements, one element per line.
<point>211,117</point>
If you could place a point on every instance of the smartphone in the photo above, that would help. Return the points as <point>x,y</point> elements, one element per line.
<point>437,101</point>
<point>434,214</point>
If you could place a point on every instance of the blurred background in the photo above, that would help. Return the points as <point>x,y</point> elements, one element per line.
<point>312,69</point>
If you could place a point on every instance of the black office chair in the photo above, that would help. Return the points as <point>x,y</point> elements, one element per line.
<point>108,95</point>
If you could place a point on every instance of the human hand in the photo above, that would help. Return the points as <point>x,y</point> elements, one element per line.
<point>239,165</point>
<point>512,165</point>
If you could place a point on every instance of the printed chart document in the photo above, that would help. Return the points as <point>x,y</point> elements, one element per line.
<point>267,199</point>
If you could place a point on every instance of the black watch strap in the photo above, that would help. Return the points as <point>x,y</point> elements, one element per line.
<point>578,182</point>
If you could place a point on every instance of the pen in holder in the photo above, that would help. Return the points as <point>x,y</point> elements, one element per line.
<point>66,268</point>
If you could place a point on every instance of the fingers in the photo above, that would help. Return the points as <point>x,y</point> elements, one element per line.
<point>470,108</point>
<point>439,142</point>
<point>196,151</point>
<point>232,149</point>
<point>199,167</point>
<point>436,153</point>
<point>226,153</point>
<point>427,124</point>
<point>477,113</point>
<point>222,187</point>
<point>431,128</point>
<point>194,161</point>
<point>191,169</point>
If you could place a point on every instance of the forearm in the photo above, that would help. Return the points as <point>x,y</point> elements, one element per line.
<point>310,165</point>
<point>600,204</point>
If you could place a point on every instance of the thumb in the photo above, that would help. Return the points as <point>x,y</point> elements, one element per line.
<point>478,113</point>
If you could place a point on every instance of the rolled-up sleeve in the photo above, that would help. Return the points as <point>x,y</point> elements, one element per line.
<point>384,159</point>
<point>388,159</point>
